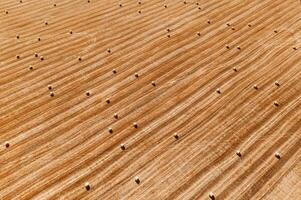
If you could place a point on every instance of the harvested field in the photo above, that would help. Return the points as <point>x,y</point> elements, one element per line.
<point>150,99</point>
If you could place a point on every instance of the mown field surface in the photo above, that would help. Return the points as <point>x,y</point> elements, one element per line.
<point>150,99</point>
